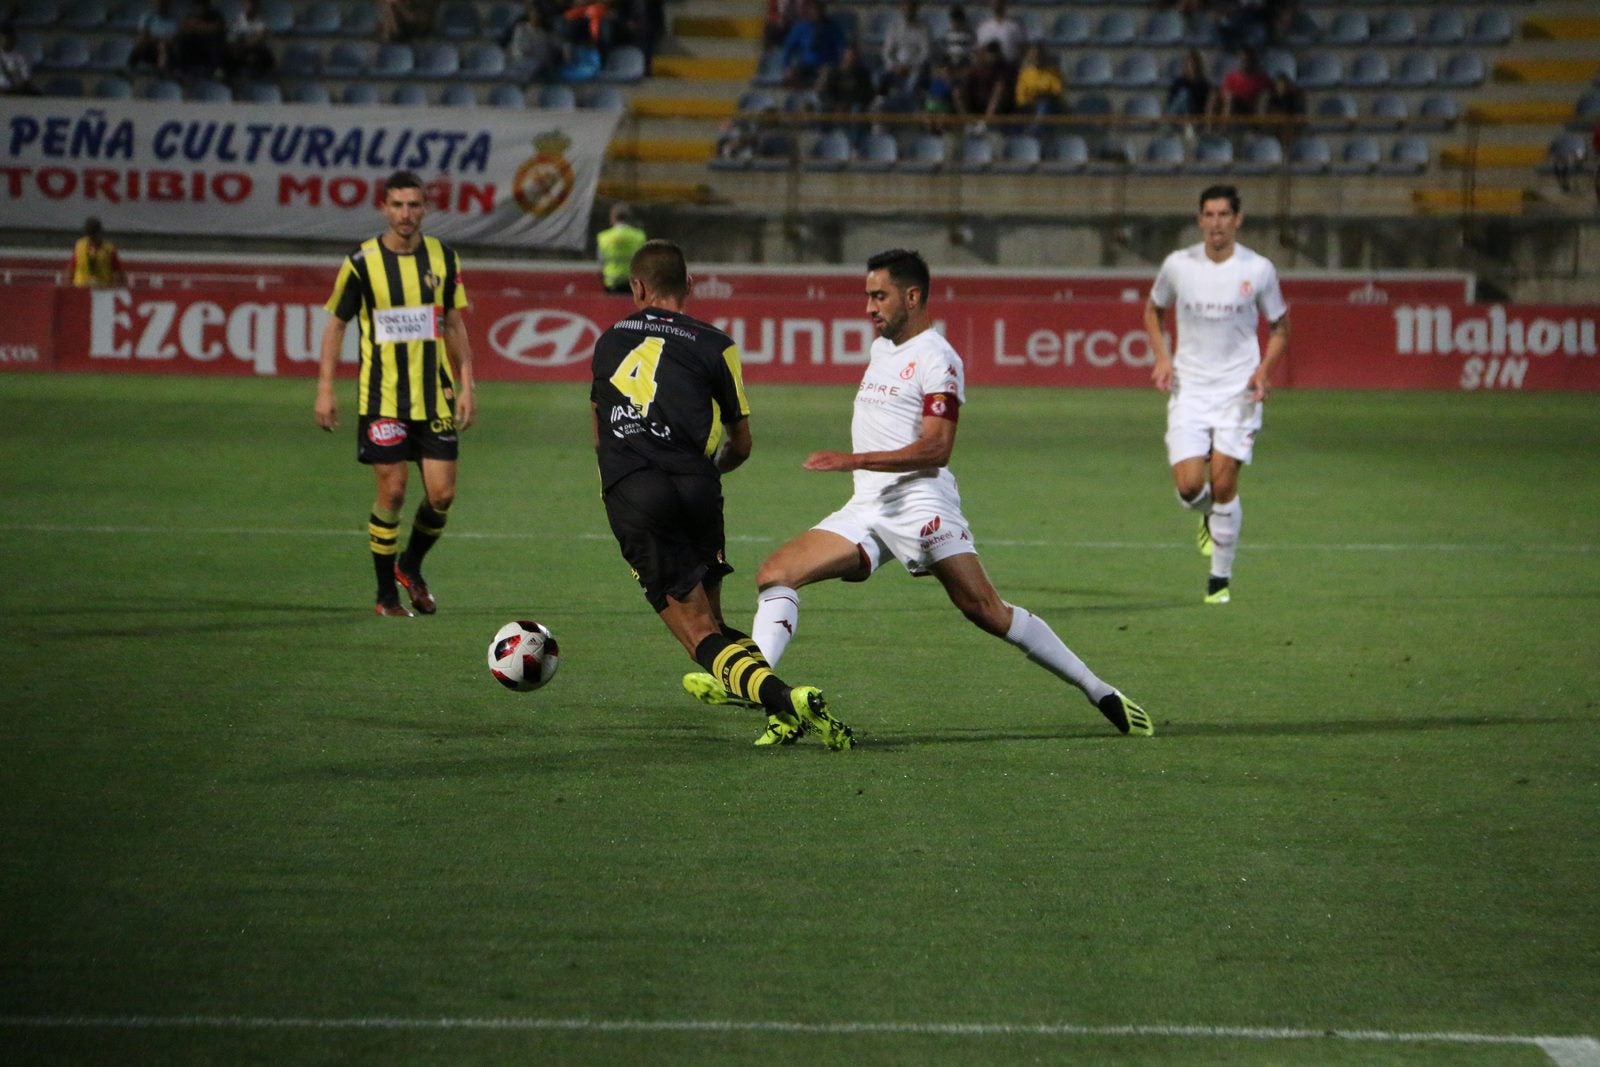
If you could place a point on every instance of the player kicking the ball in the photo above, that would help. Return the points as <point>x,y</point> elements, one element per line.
<point>1219,380</point>
<point>905,504</point>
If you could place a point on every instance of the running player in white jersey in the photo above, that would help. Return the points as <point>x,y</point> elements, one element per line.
<point>906,505</point>
<point>1219,378</point>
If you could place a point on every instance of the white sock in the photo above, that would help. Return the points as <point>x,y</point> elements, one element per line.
<point>1225,522</point>
<point>1201,503</point>
<point>1040,643</point>
<point>777,615</point>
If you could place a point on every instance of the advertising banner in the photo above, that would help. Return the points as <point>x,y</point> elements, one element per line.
<point>1410,345</point>
<point>495,176</point>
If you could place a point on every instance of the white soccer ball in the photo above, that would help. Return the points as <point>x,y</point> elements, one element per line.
<point>523,656</point>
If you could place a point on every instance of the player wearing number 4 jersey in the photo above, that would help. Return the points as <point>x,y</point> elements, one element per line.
<point>1219,378</point>
<point>412,400</point>
<point>905,504</point>
<point>670,418</point>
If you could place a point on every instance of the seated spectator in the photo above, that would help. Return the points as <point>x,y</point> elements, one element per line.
<point>591,24</point>
<point>152,42</point>
<point>990,85</point>
<point>1244,88</point>
<point>814,44</point>
<point>200,47</point>
<point>940,98</point>
<point>533,48</point>
<point>641,23</point>
<point>1566,156</point>
<point>1006,30</point>
<point>907,49</point>
<point>1039,90</point>
<point>16,71</point>
<point>849,87</point>
<point>1189,92</point>
<point>1286,102</point>
<point>781,17</point>
<point>248,51</point>
<point>956,47</point>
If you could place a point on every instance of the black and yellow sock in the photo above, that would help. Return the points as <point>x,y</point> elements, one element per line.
<point>746,642</point>
<point>742,674</point>
<point>383,537</point>
<point>425,530</point>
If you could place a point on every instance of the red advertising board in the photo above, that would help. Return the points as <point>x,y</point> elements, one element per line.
<point>1409,345</point>
<point>27,327</point>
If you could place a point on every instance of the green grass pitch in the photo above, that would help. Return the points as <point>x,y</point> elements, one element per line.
<point>246,821</point>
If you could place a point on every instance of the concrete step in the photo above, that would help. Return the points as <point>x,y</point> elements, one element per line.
<point>1573,72</point>
<point>663,149</point>
<point>738,27</point>
<point>705,68</point>
<point>1533,112</point>
<point>1562,28</point>
<point>1495,155</point>
<point>1492,200</point>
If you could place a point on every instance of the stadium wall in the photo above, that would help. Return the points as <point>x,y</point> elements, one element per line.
<point>1418,331</point>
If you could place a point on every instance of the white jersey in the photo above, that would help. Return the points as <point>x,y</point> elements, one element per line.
<point>890,405</point>
<point>1219,307</point>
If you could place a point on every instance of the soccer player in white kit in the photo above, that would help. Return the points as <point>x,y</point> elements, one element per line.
<point>1218,381</point>
<point>906,505</point>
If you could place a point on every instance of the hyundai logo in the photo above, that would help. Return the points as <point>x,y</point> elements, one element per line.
<point>543,338</point>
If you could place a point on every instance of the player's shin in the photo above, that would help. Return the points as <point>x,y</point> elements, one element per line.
<point>777,618</point>
<point>1039,643</point>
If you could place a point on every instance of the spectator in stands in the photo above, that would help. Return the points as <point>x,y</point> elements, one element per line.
<point>814,44</point>
<point>95,263</point>
<point>781,16</point>
<point>617,246</point>
<point>1243,24</point>
<point>591,24</point>
<point>1039,90</point>
<point>641,23</point>
<point>1006,30</point>
<point>533,48</point>
<point>848,88</point>
<point>907,48</point>
<point>200,47</point>
<point>1244,88</point>
<point>990,85</point>
<point>16,71</point>
<point>940,98</point>
<point>405,20</point>
<point>1285,102</point>
<point>248,50</point>
<point>152,42</point>
<point>956,47</point>
<point>1189,93</point>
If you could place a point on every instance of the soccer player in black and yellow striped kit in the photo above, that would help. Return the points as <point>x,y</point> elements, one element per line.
<point>670,418</point>
<point>414,393</point>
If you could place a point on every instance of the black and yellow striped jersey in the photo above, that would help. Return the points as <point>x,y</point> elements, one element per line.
<point>664,385</point>
<point>401,299</point>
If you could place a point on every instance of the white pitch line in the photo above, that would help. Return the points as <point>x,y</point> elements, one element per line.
<point>1136,546</point>
<point>1575,1051</point>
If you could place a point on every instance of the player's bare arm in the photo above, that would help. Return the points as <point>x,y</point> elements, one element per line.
<point>1277,345</point>
<point>930,450</point>
<point>327,406</point>
<point>1161,373</point>
<point>460,349</point>
<point>735,447</point>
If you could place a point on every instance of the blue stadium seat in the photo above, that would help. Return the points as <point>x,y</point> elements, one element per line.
<point>63,85</point>
<point>1417,70</point>
<point>1492,26</point>
<point>1163,29</point>
<point>36,14</point>
<point>604,98</point>
<point>1142,110</point>
<point>1091,70</point>
<point>310,93</point>
<point>111,54</point>
<point>1115,29</point>
<point>775,150</point>
<point>1387,111</point>
<point>1310,155</point>
<point>300,60</point>
<point>1020,154</point>
<point>1163,155</point>
<point>1361,155</point>
<point>360,22</point>
<point>623,66</point>
<point>1065,153</point>
<point>769,69</point>
<point>1262,154</point>
<point>1348,29</point>
<point>1445,26</point>
<point>163,89</point>
<point>1071,29</point>
<point>393,60</point>
<point>1279,61</point>
<point>830,152</point>
<point>259,93</point>
<point>557,98</point>
<point>499,19</point>
<point>409,95</point>
<point>879,152</point>
<point>1335,111</point>
<point>438,59</point>
<point>68,52</point>
<point>459,21</point>
<point>1303,30</point>
<point>321,18</point>
<point>1408,155</point>
<point>1464,70</point>
<point>1394,27</point>
<point>359,94</point>
<point>484,61</point>
<point>507,96</point>
<point>84,15</point>
<point>1213,154</point>
<point>1137,71</point>
<point>1321,71</point>
<point>278,16</point>
<point>976,154</point>
<point>346,59</point>
<point>1439,111</point>
<point>113,89</point>
<point>206,91</point>
<point>458,96</point>
<point>124,16</point>
<point>1369,70</point>
<point>925,154</point>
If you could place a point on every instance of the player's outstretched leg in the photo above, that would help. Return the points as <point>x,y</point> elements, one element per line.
<point>744,677</point>
<point>1125,715</point>
<point>812,709</point>
<point>708,690</point>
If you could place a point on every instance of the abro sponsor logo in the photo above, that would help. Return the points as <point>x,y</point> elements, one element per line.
<point>544,338</point>
<point>1068,348</point>
<point>123,326</point>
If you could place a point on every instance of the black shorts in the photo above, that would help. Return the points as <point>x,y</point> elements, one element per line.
<point>669,527</point>
<point>385,440</point>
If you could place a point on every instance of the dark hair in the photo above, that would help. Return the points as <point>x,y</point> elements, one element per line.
<point>401,179</point>
<point>1220,192</point>
<point>660,267</point>
<point>92,227</point>
<point>907,269</point>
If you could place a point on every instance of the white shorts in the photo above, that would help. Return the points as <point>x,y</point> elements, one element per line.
<point>1200,424</point>
<point>918,536</point>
